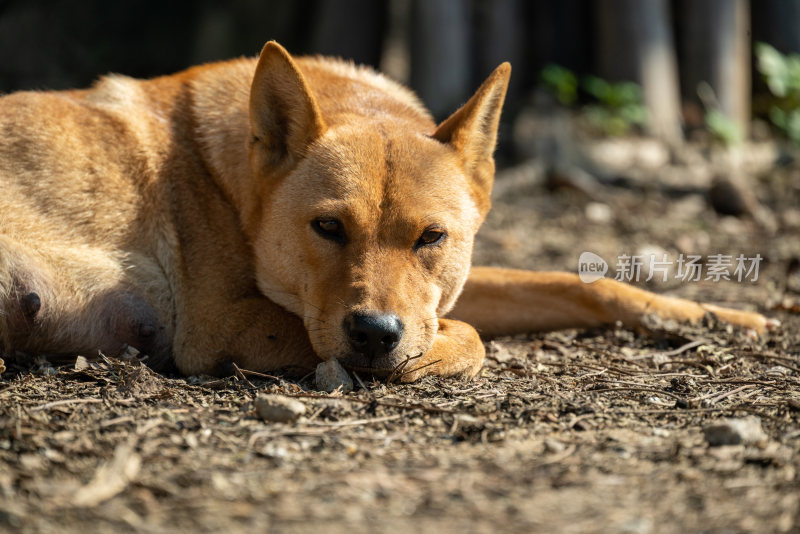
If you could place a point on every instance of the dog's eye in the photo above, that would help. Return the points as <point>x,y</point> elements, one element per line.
<point>329,228</point>
<point>430,236</point>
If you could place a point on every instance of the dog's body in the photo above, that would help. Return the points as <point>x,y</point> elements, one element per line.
<point>269,213</point>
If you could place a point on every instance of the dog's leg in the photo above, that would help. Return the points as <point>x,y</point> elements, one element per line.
<point>217,328</point>
<point>500,301</point>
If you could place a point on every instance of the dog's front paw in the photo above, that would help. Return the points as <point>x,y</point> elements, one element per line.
<point>457,352</point>
<point>465,368</point>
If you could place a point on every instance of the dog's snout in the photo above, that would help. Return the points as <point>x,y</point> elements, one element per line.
<point>373,334</point>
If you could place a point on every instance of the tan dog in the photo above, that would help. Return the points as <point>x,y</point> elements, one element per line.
<point>269,213</point>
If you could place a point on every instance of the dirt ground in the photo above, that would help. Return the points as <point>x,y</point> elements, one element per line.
<point>574,431</point>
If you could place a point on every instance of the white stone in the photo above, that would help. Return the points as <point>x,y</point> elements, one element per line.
<point>331,376</point>
<point>597,212</point>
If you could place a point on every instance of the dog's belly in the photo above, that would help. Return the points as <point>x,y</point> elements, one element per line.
<point>81,300</point>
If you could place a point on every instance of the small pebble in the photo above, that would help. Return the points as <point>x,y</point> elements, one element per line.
<point>553,445</point>
<point>331,376</point>
<point>279,409</point>
<point>746,431</point>
<point>81,363</point>
<point>597,212</point>
<point>129,353</point>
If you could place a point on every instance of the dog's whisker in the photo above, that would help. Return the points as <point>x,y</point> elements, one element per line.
<point>394,372</point>
<point>429,364</point>
<point>401,366</point>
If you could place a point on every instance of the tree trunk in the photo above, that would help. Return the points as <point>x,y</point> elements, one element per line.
<point>440,53</point>
<point>498,38</point>
<point>716,49</point>
<point>635,44</point>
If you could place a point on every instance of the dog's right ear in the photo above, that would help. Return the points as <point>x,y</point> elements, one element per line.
<point>284,115</point>
<point>472,132</point>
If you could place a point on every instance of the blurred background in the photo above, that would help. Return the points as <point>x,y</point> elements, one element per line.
<point>688,59</point>
<point>631,126</point>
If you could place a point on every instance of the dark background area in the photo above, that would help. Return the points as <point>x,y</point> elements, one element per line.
<point>605,430</point>
<point>442,48</point>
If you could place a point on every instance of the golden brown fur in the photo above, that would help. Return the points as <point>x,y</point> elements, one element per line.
<point>247,211</point>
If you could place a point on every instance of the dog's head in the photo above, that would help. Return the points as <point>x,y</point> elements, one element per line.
<point>367,220</point>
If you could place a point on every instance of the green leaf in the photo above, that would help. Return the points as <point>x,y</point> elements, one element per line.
<point>778,117</point>
<point>792,77</point>
<point>597,87</point>
<point>773,65</point>
<point>634,114</point>
<point>793,125</point>
<point>562,82</point>
<point>723,127</point>
<point>628,93</point>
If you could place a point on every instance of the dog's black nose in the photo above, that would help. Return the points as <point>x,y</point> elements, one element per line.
<point>373,334</point>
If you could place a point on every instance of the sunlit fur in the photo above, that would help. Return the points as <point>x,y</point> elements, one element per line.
<point>179,203</point>
<point>174,215</point>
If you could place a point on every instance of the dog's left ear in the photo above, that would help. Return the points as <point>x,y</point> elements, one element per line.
<point>284,115</point>
<point>472,131</point>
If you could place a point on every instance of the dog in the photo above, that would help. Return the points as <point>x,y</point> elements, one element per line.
<point>271,212</point>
